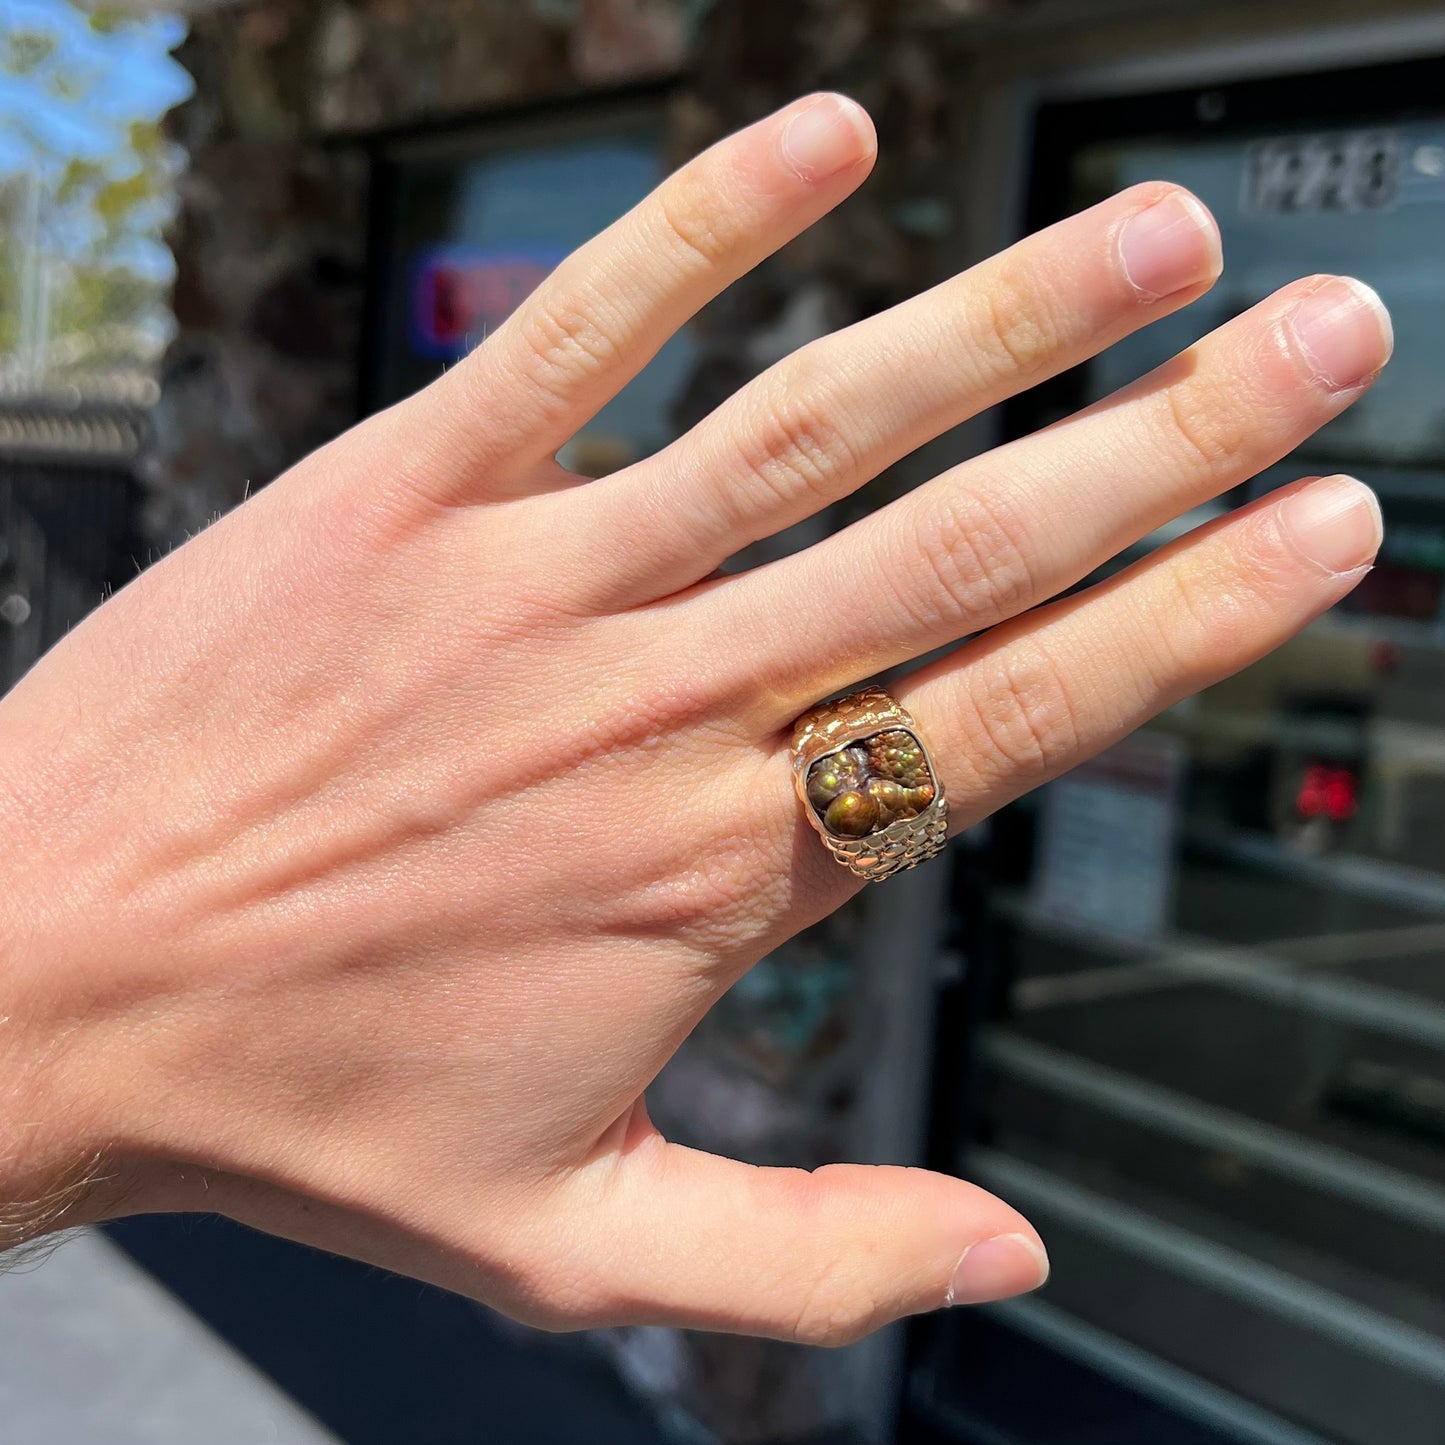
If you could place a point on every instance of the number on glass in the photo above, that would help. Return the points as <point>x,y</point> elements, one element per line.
<point>1345,171</point>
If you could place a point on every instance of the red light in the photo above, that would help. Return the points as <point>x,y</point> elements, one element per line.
<point>1340,796</point>
<point>1334,792</point>
<point>448,308</point>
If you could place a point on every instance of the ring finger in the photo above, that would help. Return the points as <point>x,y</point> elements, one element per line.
<point>1039,694</point>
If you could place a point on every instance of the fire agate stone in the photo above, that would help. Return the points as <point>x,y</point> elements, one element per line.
<point>870,784</point>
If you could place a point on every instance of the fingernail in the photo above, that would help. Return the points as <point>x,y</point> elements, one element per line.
<point>1171,245</point>
<point>824,137</point>
<point>998,1269</point>
<point>1335,522</point>
<point>1344,331</point>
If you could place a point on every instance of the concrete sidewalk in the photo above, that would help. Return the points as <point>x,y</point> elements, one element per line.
<point>93,1350</point>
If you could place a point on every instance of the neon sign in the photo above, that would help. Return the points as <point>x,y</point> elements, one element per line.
<point>459,294</point>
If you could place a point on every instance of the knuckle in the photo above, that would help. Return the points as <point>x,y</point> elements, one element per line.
<point>1016,327</point>
<point>1208,426</point>
<point>1205,616</point>
<point>524,1262</point>
<point>694,223</point>
<point>1024,715</point>
<point>797,453</point>
<point>834,1330</point>
<point>972,559</point>
<point>563,341</point>
<point>557,1303</point>
<point>828,1300</point>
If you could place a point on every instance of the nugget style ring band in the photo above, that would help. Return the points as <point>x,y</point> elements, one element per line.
<point>867,784</point>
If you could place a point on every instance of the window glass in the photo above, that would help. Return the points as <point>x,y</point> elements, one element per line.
<point>1215,1070</point>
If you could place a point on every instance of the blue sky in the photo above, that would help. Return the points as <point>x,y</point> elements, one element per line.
<point>81,101</point>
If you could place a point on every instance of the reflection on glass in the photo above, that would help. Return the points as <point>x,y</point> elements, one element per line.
<point>1217,1076</point>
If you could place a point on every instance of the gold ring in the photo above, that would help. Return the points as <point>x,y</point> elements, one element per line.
<point>867,784</point>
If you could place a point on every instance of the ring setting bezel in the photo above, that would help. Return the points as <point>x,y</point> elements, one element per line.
<point>831,728</point>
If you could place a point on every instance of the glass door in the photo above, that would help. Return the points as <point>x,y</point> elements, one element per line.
<point>1203,1021</point>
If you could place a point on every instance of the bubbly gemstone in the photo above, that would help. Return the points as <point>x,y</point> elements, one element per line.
<point>870,784</point>
<point>851,815</point>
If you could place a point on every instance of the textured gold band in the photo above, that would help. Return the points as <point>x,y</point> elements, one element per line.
<point>832,726</point>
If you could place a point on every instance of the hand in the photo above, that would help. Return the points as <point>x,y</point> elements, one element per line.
<point>370,854</point>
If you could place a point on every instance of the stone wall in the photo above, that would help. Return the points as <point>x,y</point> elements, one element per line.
<point>268,244</point>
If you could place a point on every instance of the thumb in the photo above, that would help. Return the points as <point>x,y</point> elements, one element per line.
<point>687,1238</point>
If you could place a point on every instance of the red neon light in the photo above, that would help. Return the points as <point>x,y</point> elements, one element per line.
<point>1333,793</point>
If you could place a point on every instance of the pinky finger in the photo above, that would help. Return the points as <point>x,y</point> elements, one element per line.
<point>1031,699</point>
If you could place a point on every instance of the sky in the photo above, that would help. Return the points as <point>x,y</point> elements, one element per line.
<point>80,101</point>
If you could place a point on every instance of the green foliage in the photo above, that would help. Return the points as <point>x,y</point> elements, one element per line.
<point>26,51</point>
<point>107,19</point>
<point>117,199</point>
<point>99,178</point>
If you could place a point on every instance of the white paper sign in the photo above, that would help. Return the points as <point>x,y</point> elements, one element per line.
<point>1106,847</point>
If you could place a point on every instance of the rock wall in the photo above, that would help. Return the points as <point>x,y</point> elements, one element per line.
<point>268,243</point>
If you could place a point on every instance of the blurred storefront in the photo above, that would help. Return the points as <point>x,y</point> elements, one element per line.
<point>1186,1007</point>
<point>1201,1016</point>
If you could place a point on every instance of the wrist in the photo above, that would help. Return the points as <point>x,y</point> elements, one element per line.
<point>48,1167</point>
<point>60,1164</point>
